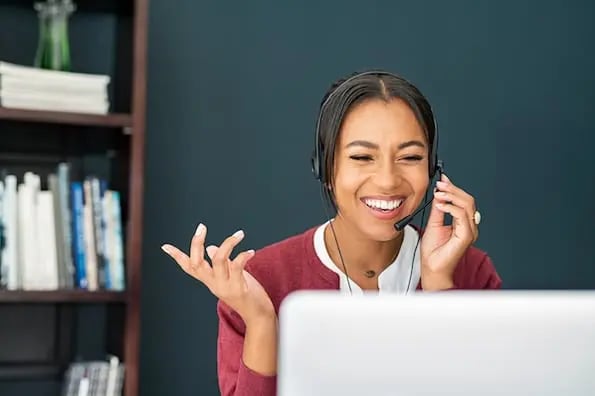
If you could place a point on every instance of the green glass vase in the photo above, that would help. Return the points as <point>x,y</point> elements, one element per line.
<point>53,47</point>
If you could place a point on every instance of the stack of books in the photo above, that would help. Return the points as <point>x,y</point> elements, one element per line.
<point>66,236</point>
<point>31,88</point>
<point>89,378</point>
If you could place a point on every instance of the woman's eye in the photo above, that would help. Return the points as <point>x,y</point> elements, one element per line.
<point>413,158</point>
<point>361,157</point>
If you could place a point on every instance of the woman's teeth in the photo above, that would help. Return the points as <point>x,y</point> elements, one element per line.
<point>379,204</point>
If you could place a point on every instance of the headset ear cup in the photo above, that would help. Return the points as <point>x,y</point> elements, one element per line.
<point>439,167</point>
<point>434,163</point>
<point>431,168</point>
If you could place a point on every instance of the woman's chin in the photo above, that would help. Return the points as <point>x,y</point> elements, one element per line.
<point>380,232</point>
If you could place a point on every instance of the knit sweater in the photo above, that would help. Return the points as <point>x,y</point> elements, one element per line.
<point>290,265</point>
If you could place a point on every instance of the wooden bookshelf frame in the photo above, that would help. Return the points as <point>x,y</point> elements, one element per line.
<point>134,124</point>
<point>136,179</point>
<point>108,120</point>
<point>61,296</point>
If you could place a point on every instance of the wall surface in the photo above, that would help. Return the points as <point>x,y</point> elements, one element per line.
<point>233,94</point>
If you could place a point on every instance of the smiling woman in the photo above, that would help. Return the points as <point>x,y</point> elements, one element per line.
<point>375,157</point>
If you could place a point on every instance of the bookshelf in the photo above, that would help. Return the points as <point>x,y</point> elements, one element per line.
<point>49,329</point>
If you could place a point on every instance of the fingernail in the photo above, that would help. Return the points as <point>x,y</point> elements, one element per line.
<point>250,252</point>
<point>445,177</point>
<point>239,234</point>
<point>199,230</point>
<point>441,184</point>
<point>165,248</point>
<point>211,250</point>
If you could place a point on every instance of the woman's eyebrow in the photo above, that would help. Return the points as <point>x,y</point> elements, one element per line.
<point>362,143</point>
<point>371,145</point>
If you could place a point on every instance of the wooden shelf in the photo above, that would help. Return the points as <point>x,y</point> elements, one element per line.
<point>119,7</point>
<point>60,296</point>
<point>37,371</point>
<point>109,120</point>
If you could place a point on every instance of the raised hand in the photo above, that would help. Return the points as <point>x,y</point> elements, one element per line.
<point>225,278</point>
<point>442,246</point>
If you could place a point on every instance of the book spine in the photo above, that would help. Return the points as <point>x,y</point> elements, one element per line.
<point>78,235</point>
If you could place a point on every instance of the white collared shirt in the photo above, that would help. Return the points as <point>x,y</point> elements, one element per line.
<point>394,279</point>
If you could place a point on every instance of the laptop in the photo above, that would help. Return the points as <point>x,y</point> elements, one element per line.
<point>452,343</point>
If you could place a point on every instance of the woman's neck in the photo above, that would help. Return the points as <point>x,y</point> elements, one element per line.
<point>361,256</point>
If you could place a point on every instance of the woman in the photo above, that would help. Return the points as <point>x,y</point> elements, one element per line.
<point>374,155</point>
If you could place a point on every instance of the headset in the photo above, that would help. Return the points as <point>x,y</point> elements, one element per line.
<point>435,167</point>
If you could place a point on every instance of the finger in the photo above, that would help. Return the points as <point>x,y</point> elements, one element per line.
<point>462,228</point>
<point>471,207</point>
<point>197,248</point>
<point>464,199</point>
<point>236,268</point>
<point>436,217</point>
<point>211,249</point>
<point>182,259</point>
<point>457,200</point>
<point>216,269</point>
<point>221,256</point>
<point>447,186</point>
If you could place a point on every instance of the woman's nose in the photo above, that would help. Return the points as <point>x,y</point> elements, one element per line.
<point>388,177</point>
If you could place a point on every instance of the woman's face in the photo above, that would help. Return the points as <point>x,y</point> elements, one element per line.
<point>381,167</point>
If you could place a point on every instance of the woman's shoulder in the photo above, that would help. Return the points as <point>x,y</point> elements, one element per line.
<point>285,265</point>
<point>476,270</point>
<point>290,248</point>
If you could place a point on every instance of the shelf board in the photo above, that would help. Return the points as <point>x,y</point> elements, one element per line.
<point>108,120</point>
<point>25,371</point>
<point>122,7</point>
<point>60,296</point>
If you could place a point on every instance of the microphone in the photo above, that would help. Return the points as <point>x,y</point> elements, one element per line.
<point>399,225</point>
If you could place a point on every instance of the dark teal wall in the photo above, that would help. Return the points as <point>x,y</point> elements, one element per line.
<point>233,94</point>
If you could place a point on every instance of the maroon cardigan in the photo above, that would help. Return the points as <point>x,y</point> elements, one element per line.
<point>292,264</point>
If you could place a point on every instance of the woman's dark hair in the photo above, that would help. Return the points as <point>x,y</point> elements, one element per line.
<point>349,91</point>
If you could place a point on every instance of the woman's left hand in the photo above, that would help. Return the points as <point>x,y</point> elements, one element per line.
<point>442,246</point>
